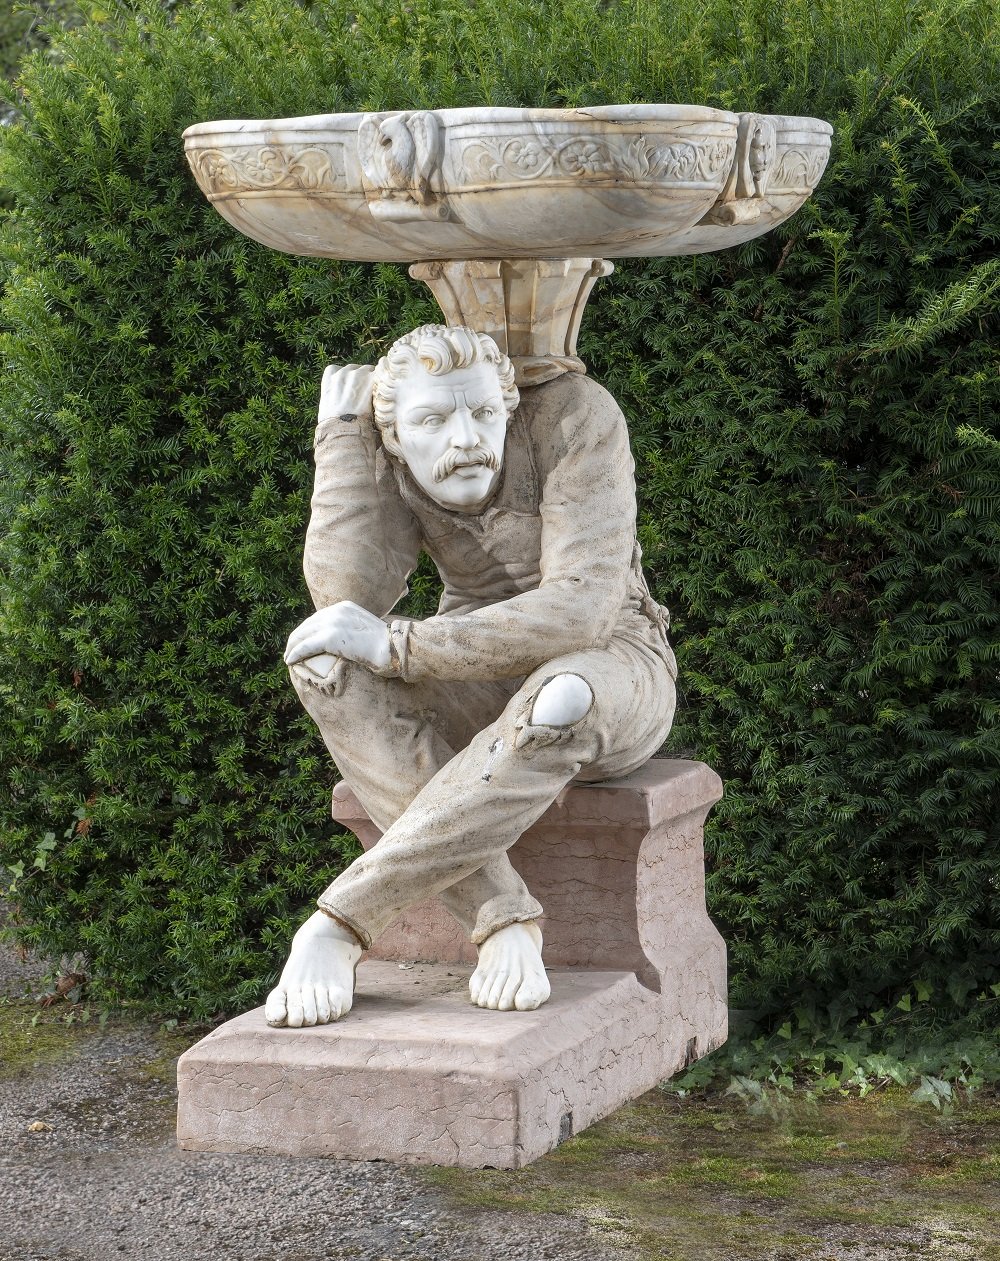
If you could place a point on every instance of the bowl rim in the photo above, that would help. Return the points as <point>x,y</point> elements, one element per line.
<point>639,112</point>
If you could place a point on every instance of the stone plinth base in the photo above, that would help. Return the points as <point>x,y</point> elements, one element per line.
<point>416,1073</point>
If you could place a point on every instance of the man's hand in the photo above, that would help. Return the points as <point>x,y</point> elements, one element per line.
<point>346,391</point>
<point>342,630</point>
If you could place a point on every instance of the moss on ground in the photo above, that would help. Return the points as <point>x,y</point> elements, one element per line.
<point>31,1035</point>
<point>693,1179</point>
<point>704,1180</point>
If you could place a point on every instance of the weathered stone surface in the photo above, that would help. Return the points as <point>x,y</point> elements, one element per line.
<point>606,181</point>
<point>532,308</point>
<point>547,661</point>
<point>416,1073</point>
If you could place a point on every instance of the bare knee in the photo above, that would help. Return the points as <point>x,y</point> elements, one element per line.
<point>562,701</point>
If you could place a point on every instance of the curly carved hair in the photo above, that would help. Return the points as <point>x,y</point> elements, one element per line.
<point>438,348</point>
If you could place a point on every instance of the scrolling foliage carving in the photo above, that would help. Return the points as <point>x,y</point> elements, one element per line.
<point>312,168</point>
<point>633,158</point>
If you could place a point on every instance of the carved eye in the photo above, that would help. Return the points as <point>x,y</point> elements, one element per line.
<point>485,413</point>
<point>432,422</point>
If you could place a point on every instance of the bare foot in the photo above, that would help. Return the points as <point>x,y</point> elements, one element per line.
<point>510,975</point>
<point>317,984</point>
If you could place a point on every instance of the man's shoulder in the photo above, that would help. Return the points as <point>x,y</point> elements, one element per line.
<point>570,411</point>
<point>570,390</point>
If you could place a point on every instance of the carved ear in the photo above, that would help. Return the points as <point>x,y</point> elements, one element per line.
<point>391,444</point>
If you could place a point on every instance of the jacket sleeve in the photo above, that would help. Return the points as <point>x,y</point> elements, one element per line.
<point>362,542</point>
<point>588,516</point>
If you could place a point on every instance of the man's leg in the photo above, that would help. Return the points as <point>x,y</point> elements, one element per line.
<point>454,836</point>
<point>603,712</point>
<point>388,738</point>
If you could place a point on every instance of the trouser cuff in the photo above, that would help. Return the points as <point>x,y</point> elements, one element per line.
<point>501,912</point>
<point>362,935</point>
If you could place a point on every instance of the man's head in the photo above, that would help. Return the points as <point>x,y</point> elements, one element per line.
<point>442,397</point>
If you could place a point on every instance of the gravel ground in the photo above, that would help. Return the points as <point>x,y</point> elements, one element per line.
<point>89,1172</point>
<point>99,1177</point>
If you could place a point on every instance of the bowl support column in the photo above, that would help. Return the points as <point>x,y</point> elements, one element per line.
<point>531,307</point>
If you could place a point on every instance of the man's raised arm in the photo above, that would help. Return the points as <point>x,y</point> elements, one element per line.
<point>362,543</point>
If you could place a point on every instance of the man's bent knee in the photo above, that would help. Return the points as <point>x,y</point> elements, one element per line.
<point>561,701</point>
<point>555,713</point>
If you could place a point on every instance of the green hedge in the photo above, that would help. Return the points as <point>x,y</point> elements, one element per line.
<point>813,418</point>
<point>23,29</point>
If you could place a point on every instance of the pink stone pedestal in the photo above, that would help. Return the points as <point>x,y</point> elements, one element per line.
<point>416,1073</point>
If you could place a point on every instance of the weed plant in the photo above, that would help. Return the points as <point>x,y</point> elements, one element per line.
<point>818,1053</point>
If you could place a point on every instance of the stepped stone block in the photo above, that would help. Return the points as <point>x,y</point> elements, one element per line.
<point>416,1073</point>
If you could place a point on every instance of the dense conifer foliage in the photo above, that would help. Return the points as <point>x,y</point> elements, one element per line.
<point>814,426</point>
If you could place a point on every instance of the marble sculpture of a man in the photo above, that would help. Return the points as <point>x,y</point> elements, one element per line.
<point>547,660</point>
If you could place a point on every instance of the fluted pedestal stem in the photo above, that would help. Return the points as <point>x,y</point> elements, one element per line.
<point>531,307</point>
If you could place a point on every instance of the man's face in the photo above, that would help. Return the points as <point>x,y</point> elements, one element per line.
<point>451,431</point>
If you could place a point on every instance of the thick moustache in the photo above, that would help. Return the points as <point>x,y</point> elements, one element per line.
<point>456,458</point>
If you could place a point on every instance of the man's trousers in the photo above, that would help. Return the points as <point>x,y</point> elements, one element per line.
<point>454,772</point>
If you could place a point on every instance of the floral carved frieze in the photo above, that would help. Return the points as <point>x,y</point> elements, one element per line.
<point>632,158</point>
<point>267,168</point>
<point>799,170</point>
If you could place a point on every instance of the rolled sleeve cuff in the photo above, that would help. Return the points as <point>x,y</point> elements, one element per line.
<point>399,650</point>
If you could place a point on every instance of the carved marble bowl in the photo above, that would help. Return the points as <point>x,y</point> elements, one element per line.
<point>604,182</point>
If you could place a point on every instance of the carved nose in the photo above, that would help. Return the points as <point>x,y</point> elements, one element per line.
<point>464,431</point>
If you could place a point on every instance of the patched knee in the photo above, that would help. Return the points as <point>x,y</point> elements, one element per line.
<point>561,702</point>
